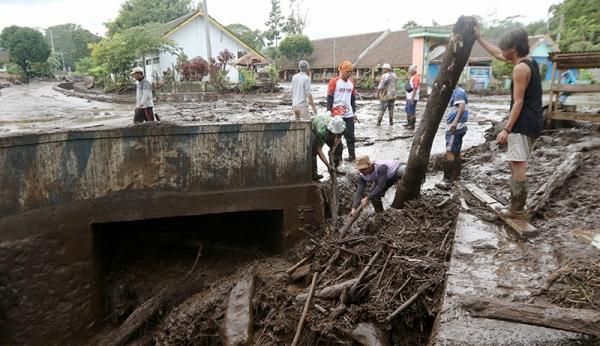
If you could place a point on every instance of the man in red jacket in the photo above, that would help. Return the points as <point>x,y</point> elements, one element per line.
<point>341,101</point>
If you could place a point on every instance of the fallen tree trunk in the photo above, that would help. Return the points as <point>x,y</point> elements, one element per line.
<point>168,296</point>
<point>328,292</point>
<point>453,62</point>
<point>538,200</point>
<point>571,320</point>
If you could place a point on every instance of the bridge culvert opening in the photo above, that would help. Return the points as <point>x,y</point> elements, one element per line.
<point>135,260</point>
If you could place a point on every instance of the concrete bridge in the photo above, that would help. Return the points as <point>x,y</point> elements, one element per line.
<point>60,191</point>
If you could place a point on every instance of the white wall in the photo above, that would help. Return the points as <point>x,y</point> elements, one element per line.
<point>191,39</point>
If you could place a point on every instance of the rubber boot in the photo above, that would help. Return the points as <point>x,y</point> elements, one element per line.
<point>411,122</point>
<point>377,205</point>
<point>446,183</point>
<point>518,199</point>
<point>391,117</point>
<point>379,118</point>
<point>408,117</point>
<point>457,169</point>
<point>351,153</point>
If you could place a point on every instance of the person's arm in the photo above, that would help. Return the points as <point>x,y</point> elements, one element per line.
<point>490,48</point>
<point>461,110</point>
<point>380,85</point>
<point>338,141</point>
<point>323,157</point>
<point>360,190</point>
<point>416,85</point>
<point>521,74</point>
<point>379,189</point>
<point>330,92</point>
<point>309,96</point>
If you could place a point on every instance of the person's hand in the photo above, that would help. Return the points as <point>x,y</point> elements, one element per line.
<point>364,202</point>
<point>352,212</point>
<point>453,128</point>
<point>314,110</point>
<point>502,137</point>
<point>331,168</point>
<point>477,31</point>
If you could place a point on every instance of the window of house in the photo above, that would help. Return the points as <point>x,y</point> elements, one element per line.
<point>148,62</point>
<point>155,61</point>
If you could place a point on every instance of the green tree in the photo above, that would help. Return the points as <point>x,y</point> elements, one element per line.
<point>497,27</point>
<point>581,29</point>
<point>411,24</point>
<point>71,41</point>
<point>252,38</point>
<point>537,28</point>
<point>139,12</point>
<point>25,46</point>
<point>275,24</point>
<point>501,69</point>
<point>296,21</point>
<point>296,47</point>
<point>117,54</point>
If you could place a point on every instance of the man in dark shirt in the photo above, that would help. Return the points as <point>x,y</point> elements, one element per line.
<point>383,173</point>
<point>525,120</point>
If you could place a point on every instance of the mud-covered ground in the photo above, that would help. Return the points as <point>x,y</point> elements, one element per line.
<point>569,222</point>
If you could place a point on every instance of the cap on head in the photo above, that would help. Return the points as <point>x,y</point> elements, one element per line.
<point>345,66</point>
<point>336,125</point>
<point>303,65</point>
<point>137,69</point>
<point>388,66</point>
<point>412,68</point>
<point>363,162</point>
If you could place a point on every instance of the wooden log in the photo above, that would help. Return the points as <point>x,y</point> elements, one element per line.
<point>453,62</point>
<point>522,227</point>
<point>537,201</point>
<point>168,296</point>
<point>364,273</point>
<point>351,221</point>
<point>301,273</point>
<point>332,291</point>
<point>571,320</point>
<point>335,210</point>
<point>409,301</point>
<point>239,314</point>
<point>305,309</point>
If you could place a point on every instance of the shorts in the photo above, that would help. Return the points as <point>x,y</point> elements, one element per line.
<point>143,114</point>
<point>386,104</point>
<point>301,112</point>
<point>454,142</point>
<point>411,107</point>
<point>520,147</point>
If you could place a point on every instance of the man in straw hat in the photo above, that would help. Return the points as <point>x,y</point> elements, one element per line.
<point>143,97</point>
<point>326,129</point>
<point>382,173</point>
<point>341,101</point>
<point>386,91</point>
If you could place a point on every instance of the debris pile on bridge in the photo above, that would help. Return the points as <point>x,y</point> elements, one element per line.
<point>388,273</point>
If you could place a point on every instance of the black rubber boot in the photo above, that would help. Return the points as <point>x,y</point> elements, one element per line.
<point>518,199</point>
<point>380,118</point>
<point>408,121</point>
<point>377,205</point>
<point>391,117</point>
<point>446,183</point>
<point>456,174</point>
<point>351,153</point>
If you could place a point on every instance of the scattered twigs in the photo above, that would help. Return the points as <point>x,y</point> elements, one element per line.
<point>351,221</point>
<point>384,267</point>
<point>305,309</point>
<point>297,265</point>
<point>410,300</point>
<point>364,273</point>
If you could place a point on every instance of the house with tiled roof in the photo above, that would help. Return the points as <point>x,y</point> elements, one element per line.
<point>421,46</point>
<point>188,33</point>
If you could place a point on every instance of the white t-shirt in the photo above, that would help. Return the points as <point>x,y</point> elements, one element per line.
<point>415,82</point>
<point>342,94</point>
<point>300,89</point>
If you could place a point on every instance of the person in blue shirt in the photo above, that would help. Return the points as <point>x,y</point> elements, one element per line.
<point>456,127</point>
<point>567,78</point>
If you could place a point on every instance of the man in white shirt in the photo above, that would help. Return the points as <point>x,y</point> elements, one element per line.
<point>412,96</point>
<point>341,101</point>
<point>386,91</point>
<point>301,93</point>
<point>143,97</point>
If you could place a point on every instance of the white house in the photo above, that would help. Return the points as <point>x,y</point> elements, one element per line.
<point>188,33</point>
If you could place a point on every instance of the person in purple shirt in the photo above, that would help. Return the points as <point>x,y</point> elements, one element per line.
<point>382,173</point>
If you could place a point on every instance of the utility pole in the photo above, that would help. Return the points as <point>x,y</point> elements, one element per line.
<point>560,28</point>
<point>52,39</point>
<point>207,33</point>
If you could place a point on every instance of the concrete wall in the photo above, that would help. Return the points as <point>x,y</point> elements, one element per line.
<point>55,186</point>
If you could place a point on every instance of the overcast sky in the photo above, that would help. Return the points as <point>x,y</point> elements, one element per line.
<point>326,18</point>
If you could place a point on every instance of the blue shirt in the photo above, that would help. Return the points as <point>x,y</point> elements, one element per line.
<point>459,96</point>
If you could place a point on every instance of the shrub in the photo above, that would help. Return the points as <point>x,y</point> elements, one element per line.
<point>248,80</point>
